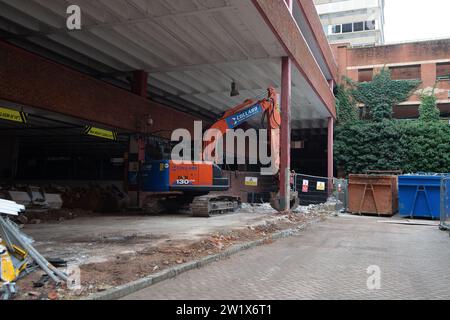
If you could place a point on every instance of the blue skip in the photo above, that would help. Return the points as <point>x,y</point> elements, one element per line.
<point>420,196</point>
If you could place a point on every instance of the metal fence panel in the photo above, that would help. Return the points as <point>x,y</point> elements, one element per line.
<point>445,203</point>
<point>340,193</point>
<point>317,190</point>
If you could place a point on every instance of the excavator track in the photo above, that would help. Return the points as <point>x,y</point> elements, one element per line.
<point>209,205</point>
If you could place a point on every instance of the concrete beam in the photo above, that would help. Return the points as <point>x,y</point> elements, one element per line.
<point>312,18</point>
<point>280,20</point>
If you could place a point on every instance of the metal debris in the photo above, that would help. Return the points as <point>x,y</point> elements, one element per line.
<point>17,253</point>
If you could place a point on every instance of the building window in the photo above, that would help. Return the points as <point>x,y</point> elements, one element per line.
<point>347,27</point>
<point>336,29</point>
<point>353,27</point>
<point>365,75</point>
<point>443,71</point>
<point>358,26</point>
<point>370,25</point>
<point>406,72</point>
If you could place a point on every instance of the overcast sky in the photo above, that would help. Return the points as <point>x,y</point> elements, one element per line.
<point>416,20</point>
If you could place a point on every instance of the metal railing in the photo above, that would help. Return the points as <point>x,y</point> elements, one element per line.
<point>317,190</point>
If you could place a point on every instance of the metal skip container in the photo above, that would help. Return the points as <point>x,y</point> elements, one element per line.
<point>373,194</point>
<point>420,195</point>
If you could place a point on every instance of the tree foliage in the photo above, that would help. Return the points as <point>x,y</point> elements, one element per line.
<point>381,94</point>
<point>384,143</point>
<point>346,108</point>
<point>428,109</point>
<point>407,145</point>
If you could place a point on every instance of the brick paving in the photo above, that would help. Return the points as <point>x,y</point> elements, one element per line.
<point>327,261</point>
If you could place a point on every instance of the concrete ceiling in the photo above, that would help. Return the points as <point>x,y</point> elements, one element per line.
<point>192,49</point>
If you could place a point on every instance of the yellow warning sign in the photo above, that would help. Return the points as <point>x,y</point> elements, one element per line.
<point>101,133</point>
<point>251,181</point>
<point>321,186</point>
<point>13,115</point>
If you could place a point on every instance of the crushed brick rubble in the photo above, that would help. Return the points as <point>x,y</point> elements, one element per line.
<point>127,267</point>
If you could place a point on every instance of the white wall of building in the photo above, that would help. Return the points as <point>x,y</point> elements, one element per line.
<point>342,21</point>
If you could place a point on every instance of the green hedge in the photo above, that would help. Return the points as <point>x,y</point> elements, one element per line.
<point>407,145</point>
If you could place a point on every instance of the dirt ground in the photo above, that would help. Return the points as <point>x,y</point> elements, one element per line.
<point>116,249</point>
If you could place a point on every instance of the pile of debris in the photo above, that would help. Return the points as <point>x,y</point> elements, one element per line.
<point>53,198</point>
<point>17,255</point>
<point>95,198</point>
<point>32,197</point>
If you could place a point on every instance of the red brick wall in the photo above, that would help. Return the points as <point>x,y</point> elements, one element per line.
<point>28,79</point>
<point>406,72</point>
<point>419,51</point>
<point>423,55</point>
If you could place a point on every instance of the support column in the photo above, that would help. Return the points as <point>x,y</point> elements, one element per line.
<point>285,134</point>
<point>140,83</point>
<point>330,148</point>
<point>136,151</point>
<point>285,142</point>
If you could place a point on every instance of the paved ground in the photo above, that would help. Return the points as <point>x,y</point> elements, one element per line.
<point>95,239</point>
<point>328,261</point>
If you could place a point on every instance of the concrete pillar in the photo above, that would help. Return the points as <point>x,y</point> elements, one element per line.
<point>330,151</point>
<point>136,150</point>
<point>132,170</point>
<point>140,83</point>
<point>285,139</point>
<point>341,57</point>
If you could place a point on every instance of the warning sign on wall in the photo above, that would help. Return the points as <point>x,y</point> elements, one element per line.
<point>305,186</point>
<point>320,186</point>
<point>251,181</point>
<point>13,115</point>
<point>101,133</point>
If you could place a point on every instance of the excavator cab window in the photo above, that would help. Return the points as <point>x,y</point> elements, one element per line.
<point>157,149</point>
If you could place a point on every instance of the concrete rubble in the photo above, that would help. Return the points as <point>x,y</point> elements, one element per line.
<point>58,203</point>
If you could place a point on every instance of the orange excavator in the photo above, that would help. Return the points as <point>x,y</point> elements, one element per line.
<point>200,183</point>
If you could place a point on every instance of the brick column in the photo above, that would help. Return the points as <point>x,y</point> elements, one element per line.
<point>330,152</point>
<point>140,83</point>
<point>285,134</point>
<point>136,152</point>
<point>285,140</point>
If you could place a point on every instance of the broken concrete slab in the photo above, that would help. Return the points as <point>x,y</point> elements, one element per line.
<point>53,200</point>
<point>20,197</point>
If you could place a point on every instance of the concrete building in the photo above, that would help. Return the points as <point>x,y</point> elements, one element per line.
<point>144,68</point>
<point>358,22</point>
<point>428,61</point>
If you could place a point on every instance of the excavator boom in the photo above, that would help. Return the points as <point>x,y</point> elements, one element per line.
<point>172,184</point>
<point>267,108</point>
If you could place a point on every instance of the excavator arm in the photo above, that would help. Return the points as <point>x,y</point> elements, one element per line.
<point>270,112</point>
<point>267,108</point>
<point>197,180</point>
